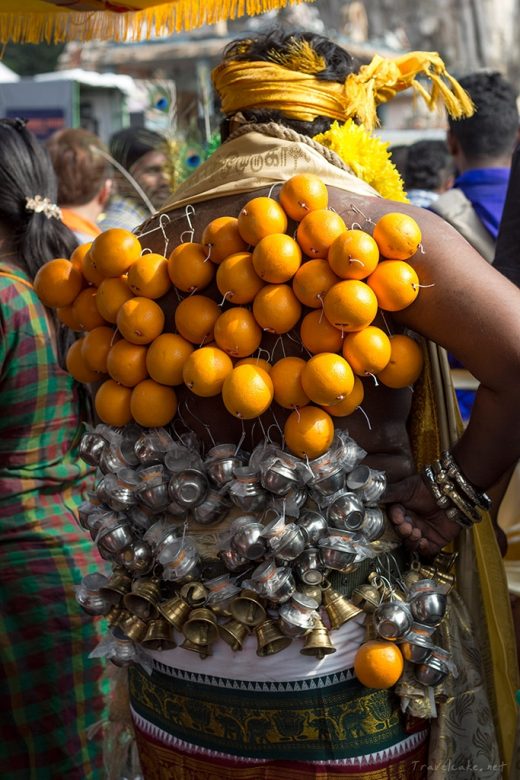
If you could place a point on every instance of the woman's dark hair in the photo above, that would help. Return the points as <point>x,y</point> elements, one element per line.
<point>26,171</point>
<point>339,64</point>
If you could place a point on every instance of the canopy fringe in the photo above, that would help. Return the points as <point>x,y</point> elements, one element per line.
<point>181,15</point>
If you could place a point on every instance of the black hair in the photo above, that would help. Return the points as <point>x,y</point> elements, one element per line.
<point>26,171</point>
<point>129,145</point>
<point>429,164</point>
<point>492,130</point>
<point>398,155</point>
<point>339,64</point>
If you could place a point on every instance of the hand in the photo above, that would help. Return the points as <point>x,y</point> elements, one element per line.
<point>416,517</point>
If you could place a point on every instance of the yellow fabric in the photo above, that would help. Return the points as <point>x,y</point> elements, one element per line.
<point>244,85</point>
<point>32,21</point>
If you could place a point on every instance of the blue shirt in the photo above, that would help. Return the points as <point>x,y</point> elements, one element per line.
<point>486,188</point>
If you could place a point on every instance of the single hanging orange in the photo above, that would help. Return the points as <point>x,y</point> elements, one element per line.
<point>318,230</point>
<point>205,370</point>
<point>353,255</point>
<point>276,258</point>
<point>114,251</point>
<point>350,403</point>
<point>397,235</point>
<point>286,378</point>
<point>309,432</point>
<point>405,364</point>
<point>276,308</point>
<point>327,378</point>
<point>58,283</point>
<point>221,239</point>
<point>367,351</point>
<point>302,194</point>
<point>189,267</point>
<point>350,305</point>
<point>149,277</point>
<point>312,281</point>
<point>259,218</point>
<point>378,664</point>
<point>247,392</point>
<point>395,284</point>
<point>237,279</point>
<point>195,318</point>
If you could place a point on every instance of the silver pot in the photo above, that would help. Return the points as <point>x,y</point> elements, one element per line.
<point>113,541</point>
<point>299,615</point>
<point>89,597</point>
<point>330,482</point>
<point>152,446</point>
<point>247,541</point>
<point>137,558</point>
<point>314,525</point>
<point>278,478</point>
<point>290,544</point>
<point>346,511</point>
<point>246,491</point>
<point>336,554</point>
<point>373,525</point>
<point>393,620</point>
<point>309,567</point>
<point>427,602</point>
<point>188,488</point>
<point>213,509</point>
<point>154,497</point>
<point>232,560</point>
<point>435,669</point>
<point>179,560</point>
<point>221,463</point>
<point>369,483</point>
<point>91,447</point>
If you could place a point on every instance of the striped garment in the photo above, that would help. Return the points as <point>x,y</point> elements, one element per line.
<point>49,689</point>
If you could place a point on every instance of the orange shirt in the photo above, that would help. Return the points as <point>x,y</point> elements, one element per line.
<point>84,229</point>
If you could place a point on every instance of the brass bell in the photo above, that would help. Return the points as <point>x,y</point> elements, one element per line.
<point>133,627</point>
<point>444,578</point>
<point>114,615</point>
<point>143,598</point>
<point>247,608</point>
<point>317,642</point>
<point>201,627</point>
<point>270,639</point>
<point>203,650</point>
<point>233,632</point>
<point>338,608</point>
<point>367,597</point>
<point>221,610</point>
<point>194,593</point>
<point>175,610</point>
<point>159,636</point>
<point>116,587</point>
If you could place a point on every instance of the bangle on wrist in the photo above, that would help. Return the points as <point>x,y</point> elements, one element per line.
<point>454,493</point>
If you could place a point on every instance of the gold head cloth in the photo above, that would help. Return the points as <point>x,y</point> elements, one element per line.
<point>289,84</point>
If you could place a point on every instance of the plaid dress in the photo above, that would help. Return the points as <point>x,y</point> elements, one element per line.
<point>49,689</point>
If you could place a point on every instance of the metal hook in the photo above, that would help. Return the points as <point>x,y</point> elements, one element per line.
<point>201,422</point>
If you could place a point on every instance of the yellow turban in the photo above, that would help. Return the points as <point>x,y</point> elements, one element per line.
<point>291,86</point>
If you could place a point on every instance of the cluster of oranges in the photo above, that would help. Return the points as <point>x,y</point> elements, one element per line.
<point>328,281</point>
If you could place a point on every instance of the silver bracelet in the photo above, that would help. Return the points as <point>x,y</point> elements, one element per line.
<point>453,493</point>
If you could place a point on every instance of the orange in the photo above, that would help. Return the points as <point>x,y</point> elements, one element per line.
<point>327,378</point>
<point>66,316</point>
<point>255,361</point>
<point>247,392</point>
<point>317,231</point>
<point>205,370</point>
<point>285,376</point>
<point>276,308</point>
<point>58,283</point>
<point>221,239</point>
<point>318,335</point>
<point>166,357</point>
<point>312,280</point>
<point>149,276</point>
<point>395,284</point>
<point>112,403</point>
<point>405,364</point>
<point>90,272</point>
<point>276,258</point>
<point>237,279</point>
<point>85,310</point>
<point>303,193</point>
<point>367,351</point>
<point>397,235</point>
<point>96,346</point>
<point>79,253</point>
<point>111,295</point>
<point>378,664</point>
<point>309,432</point>
<point>195,318</point>
<point>350,403</point>
<point>114,251</point>
<point>237,332</point>
<point>126,363</point>
<point>76,365</point>
<point>260,217</point>
<point>189,268</point>
<point>153,405</point>
<point>140,320</point>
<point>350,305</point>
<point>353,255</point>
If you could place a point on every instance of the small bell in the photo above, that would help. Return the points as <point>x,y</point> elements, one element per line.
<point>175,610</point>
<point>270,638</point>
<point>143,598</point>
<point>247,608</point>
<point>203,650</point>
<point>318,642</point>
<point>201,627</point>
<point>132,627</point>
<point>194,593</point>
<point>159,636</point>
<point>233,632</point>
<point>367,597</point>
<point>117,586</point>
<point>339,608</point>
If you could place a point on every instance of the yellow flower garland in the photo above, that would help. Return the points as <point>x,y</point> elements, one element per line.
<point>367,156</point>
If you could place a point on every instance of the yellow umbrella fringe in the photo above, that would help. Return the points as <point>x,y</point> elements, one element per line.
<point>181,15</point>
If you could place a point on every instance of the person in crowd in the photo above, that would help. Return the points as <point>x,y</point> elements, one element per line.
<point>49,688</point>
<point>140,177</point>
<point>398,155</point>
<point>80,160</point>
<point>291,103</point>
<point>482,146</point>
<point>428,171</point>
